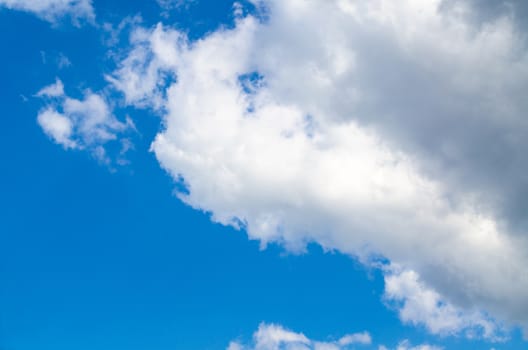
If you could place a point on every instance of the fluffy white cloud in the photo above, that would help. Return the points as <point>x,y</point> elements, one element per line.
<point>142,76</point>
<point>420,305</point>
<point>82,124</point>
<point>57,126</point>
<point>393,128</point>
<point>276,337</point>
<point>53,10</point>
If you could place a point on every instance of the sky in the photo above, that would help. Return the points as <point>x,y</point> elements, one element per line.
<point>263,174</point>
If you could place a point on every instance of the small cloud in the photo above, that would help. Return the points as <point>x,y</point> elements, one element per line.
<point>54,10</point>
<point>63,61</point>
<point>174,4</point>
<point>53,90</point>
<point>59,59</point>
<point>126,146</point>
<point>275,337</point>
<point>58,127</point>
<point>87,123</point>
<point>356,338</point>
<point>406,345</point>
<point>112,33</point>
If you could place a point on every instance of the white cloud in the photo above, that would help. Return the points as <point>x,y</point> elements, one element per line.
<point>53,90</point>
<point>405,345</point>
<point>357,338</point>
<point>142,75</point>
<point>420,305</point>
<point>83,124</point>
<point>174,4</point>
<point>53,10</point>
<point>276,337</point>
<point>63,61</point>
<point>58,127</point>
<point>59,59</point>
<point>368,133</point>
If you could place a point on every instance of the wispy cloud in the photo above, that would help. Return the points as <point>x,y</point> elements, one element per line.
<point>54,10</point>
<point>276,337</point>
<point>419,305</point>
<point>86,123</point>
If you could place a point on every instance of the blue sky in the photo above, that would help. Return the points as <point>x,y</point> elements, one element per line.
<point>150,200</point>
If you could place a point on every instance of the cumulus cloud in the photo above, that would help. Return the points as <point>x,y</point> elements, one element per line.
<point>53,10</point>
<point>419,305</point>
<point>393,129</point>
<point>86,123</point>
<point>276,337</point>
